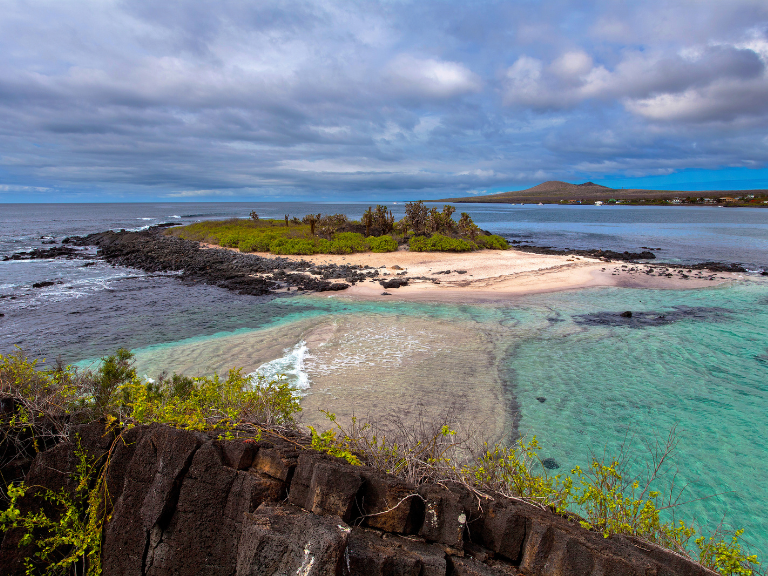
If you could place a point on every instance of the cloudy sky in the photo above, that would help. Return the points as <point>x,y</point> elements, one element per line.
<point>235,100</point>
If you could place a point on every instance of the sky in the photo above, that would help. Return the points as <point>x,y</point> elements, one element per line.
<point>140,100</point>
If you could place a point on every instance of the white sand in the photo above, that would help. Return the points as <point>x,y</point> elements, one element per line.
<point>497,274</point>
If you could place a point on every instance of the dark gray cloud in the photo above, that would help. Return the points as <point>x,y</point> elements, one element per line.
<point>140,99</point>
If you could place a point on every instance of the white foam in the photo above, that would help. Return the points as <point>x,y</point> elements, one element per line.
<point>146,218</point>
<point>174,216</point>
<point>291,365</point>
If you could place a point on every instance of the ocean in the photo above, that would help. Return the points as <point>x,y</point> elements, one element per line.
<point>550,365</point>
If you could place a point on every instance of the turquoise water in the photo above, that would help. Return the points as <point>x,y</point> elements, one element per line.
<point>705,377</point>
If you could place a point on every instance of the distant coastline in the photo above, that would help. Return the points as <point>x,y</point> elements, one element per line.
<point>565,193</point>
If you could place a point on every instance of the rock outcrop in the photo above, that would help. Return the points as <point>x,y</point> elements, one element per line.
<point>152,251</point>
<point>184,503</point>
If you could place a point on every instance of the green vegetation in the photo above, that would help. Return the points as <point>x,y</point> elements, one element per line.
<point>422,228</point>
<point>439,243</point>
<point>66,537</point>
<point>382,243</point>
<point>70,541</point>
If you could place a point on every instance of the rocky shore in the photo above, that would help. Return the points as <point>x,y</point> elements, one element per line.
<point>152,251</point>
<point>186,503</point>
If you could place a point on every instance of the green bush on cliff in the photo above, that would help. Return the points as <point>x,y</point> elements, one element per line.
<point>210,403</point>
<point>440,243</point>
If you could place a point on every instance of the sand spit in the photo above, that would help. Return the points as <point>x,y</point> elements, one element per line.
<point>497,275</point>
<point>368,366</point>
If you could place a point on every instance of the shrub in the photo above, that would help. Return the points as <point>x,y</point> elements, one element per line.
<point>229,239</point>
<point>492,242</point>
<point>260,243</point>
<point>295,246</point>
<point>440,243</point>
<point>347,243</point>
<point>211,403</point>
<point>382,243</point>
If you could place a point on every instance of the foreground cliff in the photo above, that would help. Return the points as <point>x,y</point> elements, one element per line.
<point>184,503</point>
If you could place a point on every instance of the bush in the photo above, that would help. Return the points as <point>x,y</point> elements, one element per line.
<point>440,243</point>
<point>347,243</point>
<point>299,246</point>
<point>260,243</point>
<point>492,242</point>
<point>211,403</point>
<point>382,243</point>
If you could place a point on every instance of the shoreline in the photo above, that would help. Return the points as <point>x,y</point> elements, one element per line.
<point>496,275</point>
<point>483,275</point>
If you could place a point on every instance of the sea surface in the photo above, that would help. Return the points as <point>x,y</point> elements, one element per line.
<point>563,367</point>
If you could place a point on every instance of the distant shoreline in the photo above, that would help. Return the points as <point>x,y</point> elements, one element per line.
<point>564,193</point>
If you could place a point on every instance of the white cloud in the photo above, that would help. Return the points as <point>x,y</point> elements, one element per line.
<point>571,66</point>
<point>431,78</point>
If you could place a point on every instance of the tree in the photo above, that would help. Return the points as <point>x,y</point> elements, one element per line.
<point>311,219</point>
<point>254,216</point>
<point>467,227</point>
<point>416,214</point>
<point>368,220</point>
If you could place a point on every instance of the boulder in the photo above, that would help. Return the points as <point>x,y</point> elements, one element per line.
<point>325,485</point>
<point>278,540</point>
<point>389,503</point>
<point>151,487</point>
<point>375,554</point>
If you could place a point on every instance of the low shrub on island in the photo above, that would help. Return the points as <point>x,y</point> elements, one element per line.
<point>40,406</point>
<point>422,229</point>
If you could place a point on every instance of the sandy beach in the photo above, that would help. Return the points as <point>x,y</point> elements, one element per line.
<point>488,275</point>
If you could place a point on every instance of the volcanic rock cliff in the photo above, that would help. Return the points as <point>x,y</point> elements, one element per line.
<point>184,503</point>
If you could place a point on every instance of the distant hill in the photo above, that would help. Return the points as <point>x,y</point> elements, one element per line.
<point>554,191</point>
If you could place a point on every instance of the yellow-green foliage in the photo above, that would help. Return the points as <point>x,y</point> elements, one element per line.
<point>382,243</point>
<point>515,471</point>
<point>439,243</point>
<point>211,403</point>
<point>39,391</point>
<point>247,235</point>
<point>273,236</point>
<point>70,541</point>
<point>492,242</point>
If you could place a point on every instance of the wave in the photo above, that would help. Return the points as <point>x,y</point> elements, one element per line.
<point>146,218</point>
<point>291,365</point>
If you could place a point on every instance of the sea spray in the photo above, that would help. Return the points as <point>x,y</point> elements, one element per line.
<point>290,365</point>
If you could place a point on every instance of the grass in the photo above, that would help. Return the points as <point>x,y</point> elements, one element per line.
<point>602,497</point>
